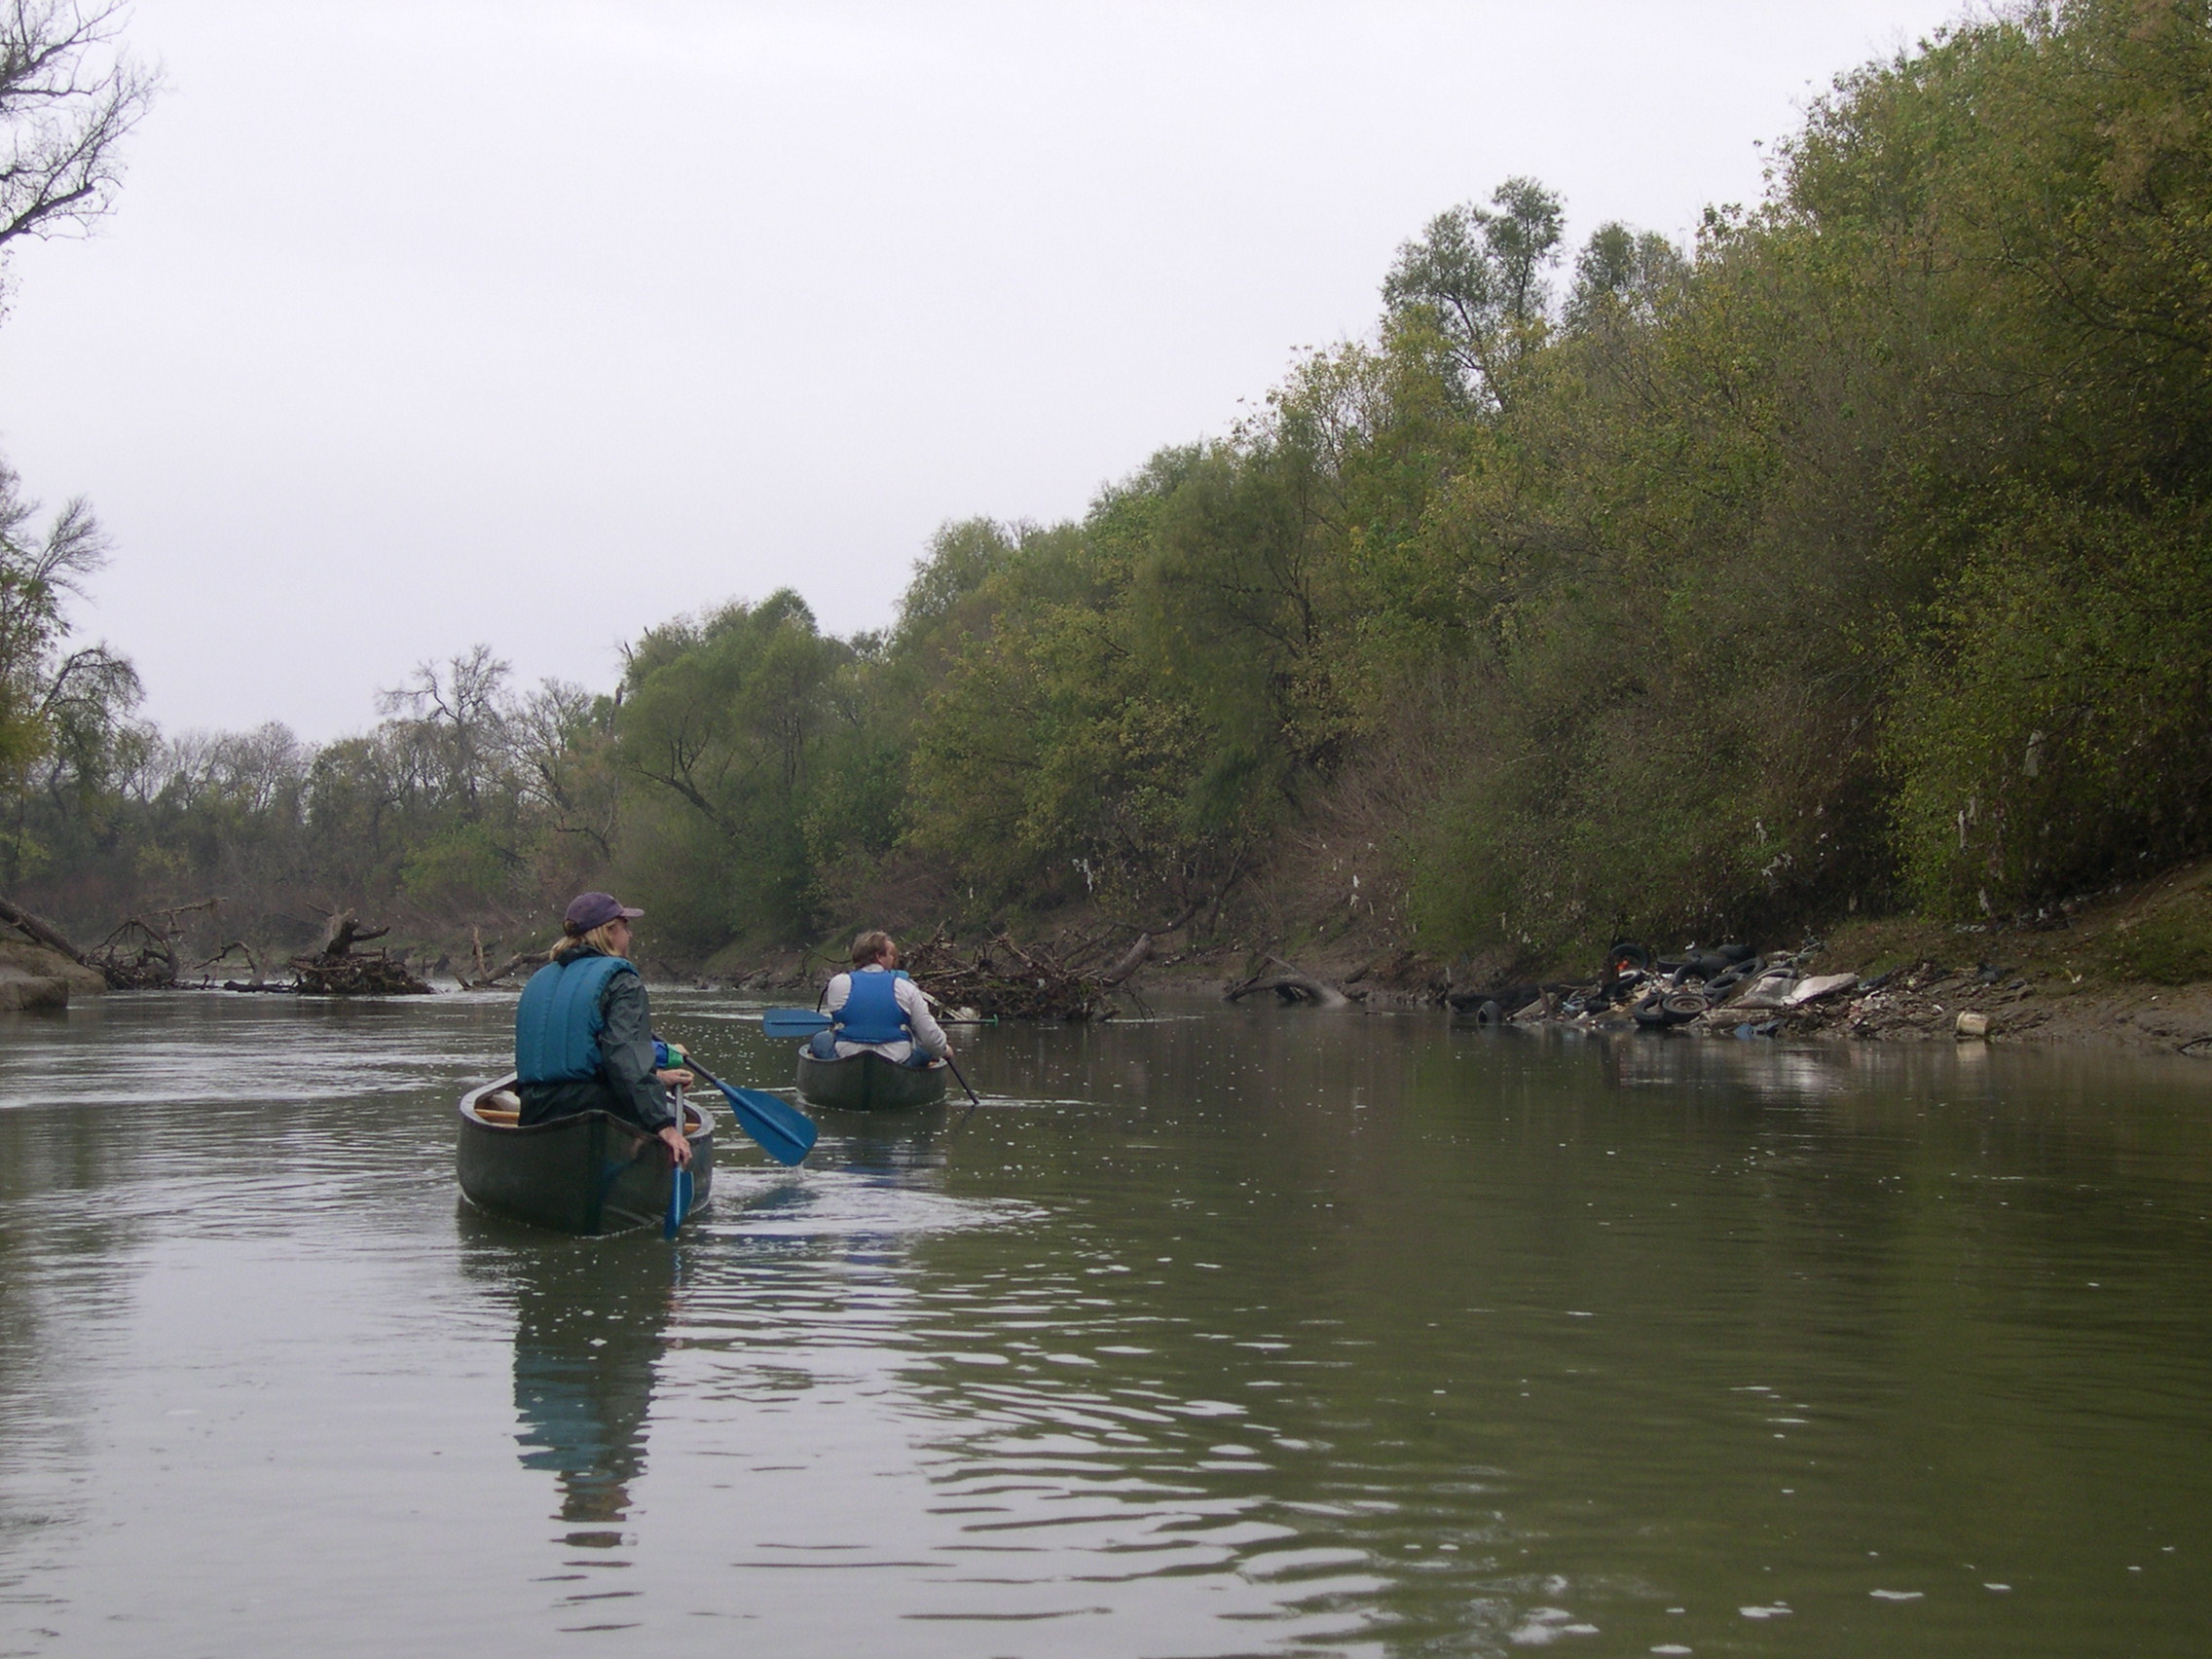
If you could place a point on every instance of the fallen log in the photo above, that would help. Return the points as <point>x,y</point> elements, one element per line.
<point>487,977</point>
<point>1290,985</point>
<point>44,931</point>
<point>252,962</point>
<point>1135,957</point>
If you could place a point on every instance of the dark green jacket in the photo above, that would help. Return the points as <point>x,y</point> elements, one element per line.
<point>625,1085</point>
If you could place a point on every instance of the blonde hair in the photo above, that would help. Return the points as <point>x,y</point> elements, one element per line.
<point>601,939</point>
<point>871,946</point>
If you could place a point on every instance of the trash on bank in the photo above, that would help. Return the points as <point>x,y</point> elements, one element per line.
<point>1731,989</point>
<point>1735,990</point>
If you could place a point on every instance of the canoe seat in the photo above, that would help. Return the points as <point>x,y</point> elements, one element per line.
<point>494,1115</point>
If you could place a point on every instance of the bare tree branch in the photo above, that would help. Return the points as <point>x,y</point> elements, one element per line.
<point>68,94</point>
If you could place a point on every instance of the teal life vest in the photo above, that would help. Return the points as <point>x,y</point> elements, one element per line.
<point>872,1013</point>
<point>557,1027</point>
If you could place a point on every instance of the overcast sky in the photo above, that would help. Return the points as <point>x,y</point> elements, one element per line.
<point>537,323</point>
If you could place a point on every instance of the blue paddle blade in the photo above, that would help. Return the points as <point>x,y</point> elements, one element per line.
<point>793,1023</point>
<point>679,1200</point>
<point>785,1132</point>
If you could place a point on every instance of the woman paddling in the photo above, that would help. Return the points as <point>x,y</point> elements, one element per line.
<point>583,1035</point>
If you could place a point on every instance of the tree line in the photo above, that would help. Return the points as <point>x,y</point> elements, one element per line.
<point>1854,555</point>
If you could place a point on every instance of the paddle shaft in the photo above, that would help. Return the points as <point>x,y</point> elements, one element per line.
<point>691,1063</point>
<point>679,1200</point>
<point>972,1102</point>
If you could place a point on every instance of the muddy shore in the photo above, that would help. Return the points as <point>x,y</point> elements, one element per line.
<point>2129,968</point>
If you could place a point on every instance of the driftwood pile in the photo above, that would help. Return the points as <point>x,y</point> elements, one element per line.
<point>1006,981</point>
<point>337,970</point>
<point>137,956</point>
<point>143,955</point>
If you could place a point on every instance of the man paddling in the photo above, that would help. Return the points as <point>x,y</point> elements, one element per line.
<point>875,1008</point>
<point>583,1034</point>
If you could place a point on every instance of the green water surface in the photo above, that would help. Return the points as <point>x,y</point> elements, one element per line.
<point>1221,1333</point>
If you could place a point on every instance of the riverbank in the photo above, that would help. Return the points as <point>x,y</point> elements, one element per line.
<point>2129,968</point>
<point>35,978</point>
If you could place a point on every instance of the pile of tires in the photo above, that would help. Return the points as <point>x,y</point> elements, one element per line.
<point>1660,1008</point>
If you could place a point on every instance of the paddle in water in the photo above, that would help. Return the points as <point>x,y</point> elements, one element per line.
<point>784,1132</point>
<point>972,1102</point>
<point>679,1200</point>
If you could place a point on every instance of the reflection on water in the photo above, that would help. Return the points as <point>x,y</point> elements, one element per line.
<point>589,1325</point>
<point>1216,1334</point>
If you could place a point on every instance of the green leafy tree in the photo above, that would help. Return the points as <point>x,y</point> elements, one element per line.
<point>1474,281</point>
<point>63,712</point>
<point>721,720</point>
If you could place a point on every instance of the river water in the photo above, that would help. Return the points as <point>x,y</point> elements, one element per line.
<point>1221,1333</point>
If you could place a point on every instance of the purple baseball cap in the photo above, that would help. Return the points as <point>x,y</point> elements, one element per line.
<point>589,910</point>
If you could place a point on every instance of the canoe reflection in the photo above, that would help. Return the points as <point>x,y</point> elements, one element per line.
<point>895,1144</point>
<point>591,1318</point>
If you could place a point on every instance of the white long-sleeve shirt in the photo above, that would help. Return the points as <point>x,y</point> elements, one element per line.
<point>911,1003</point>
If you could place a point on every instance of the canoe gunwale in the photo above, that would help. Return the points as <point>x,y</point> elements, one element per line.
<point>701,1121</point>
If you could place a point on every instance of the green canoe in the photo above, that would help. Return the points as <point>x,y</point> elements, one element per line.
<point>590,1174</point>
<point>869,1082</point>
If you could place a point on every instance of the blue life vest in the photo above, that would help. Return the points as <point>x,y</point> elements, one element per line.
<point>557,1027</point>
<point>872,1013</point>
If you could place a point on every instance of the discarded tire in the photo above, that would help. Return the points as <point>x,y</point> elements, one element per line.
<point>1627,953</point>
<point>1683,1007</point>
